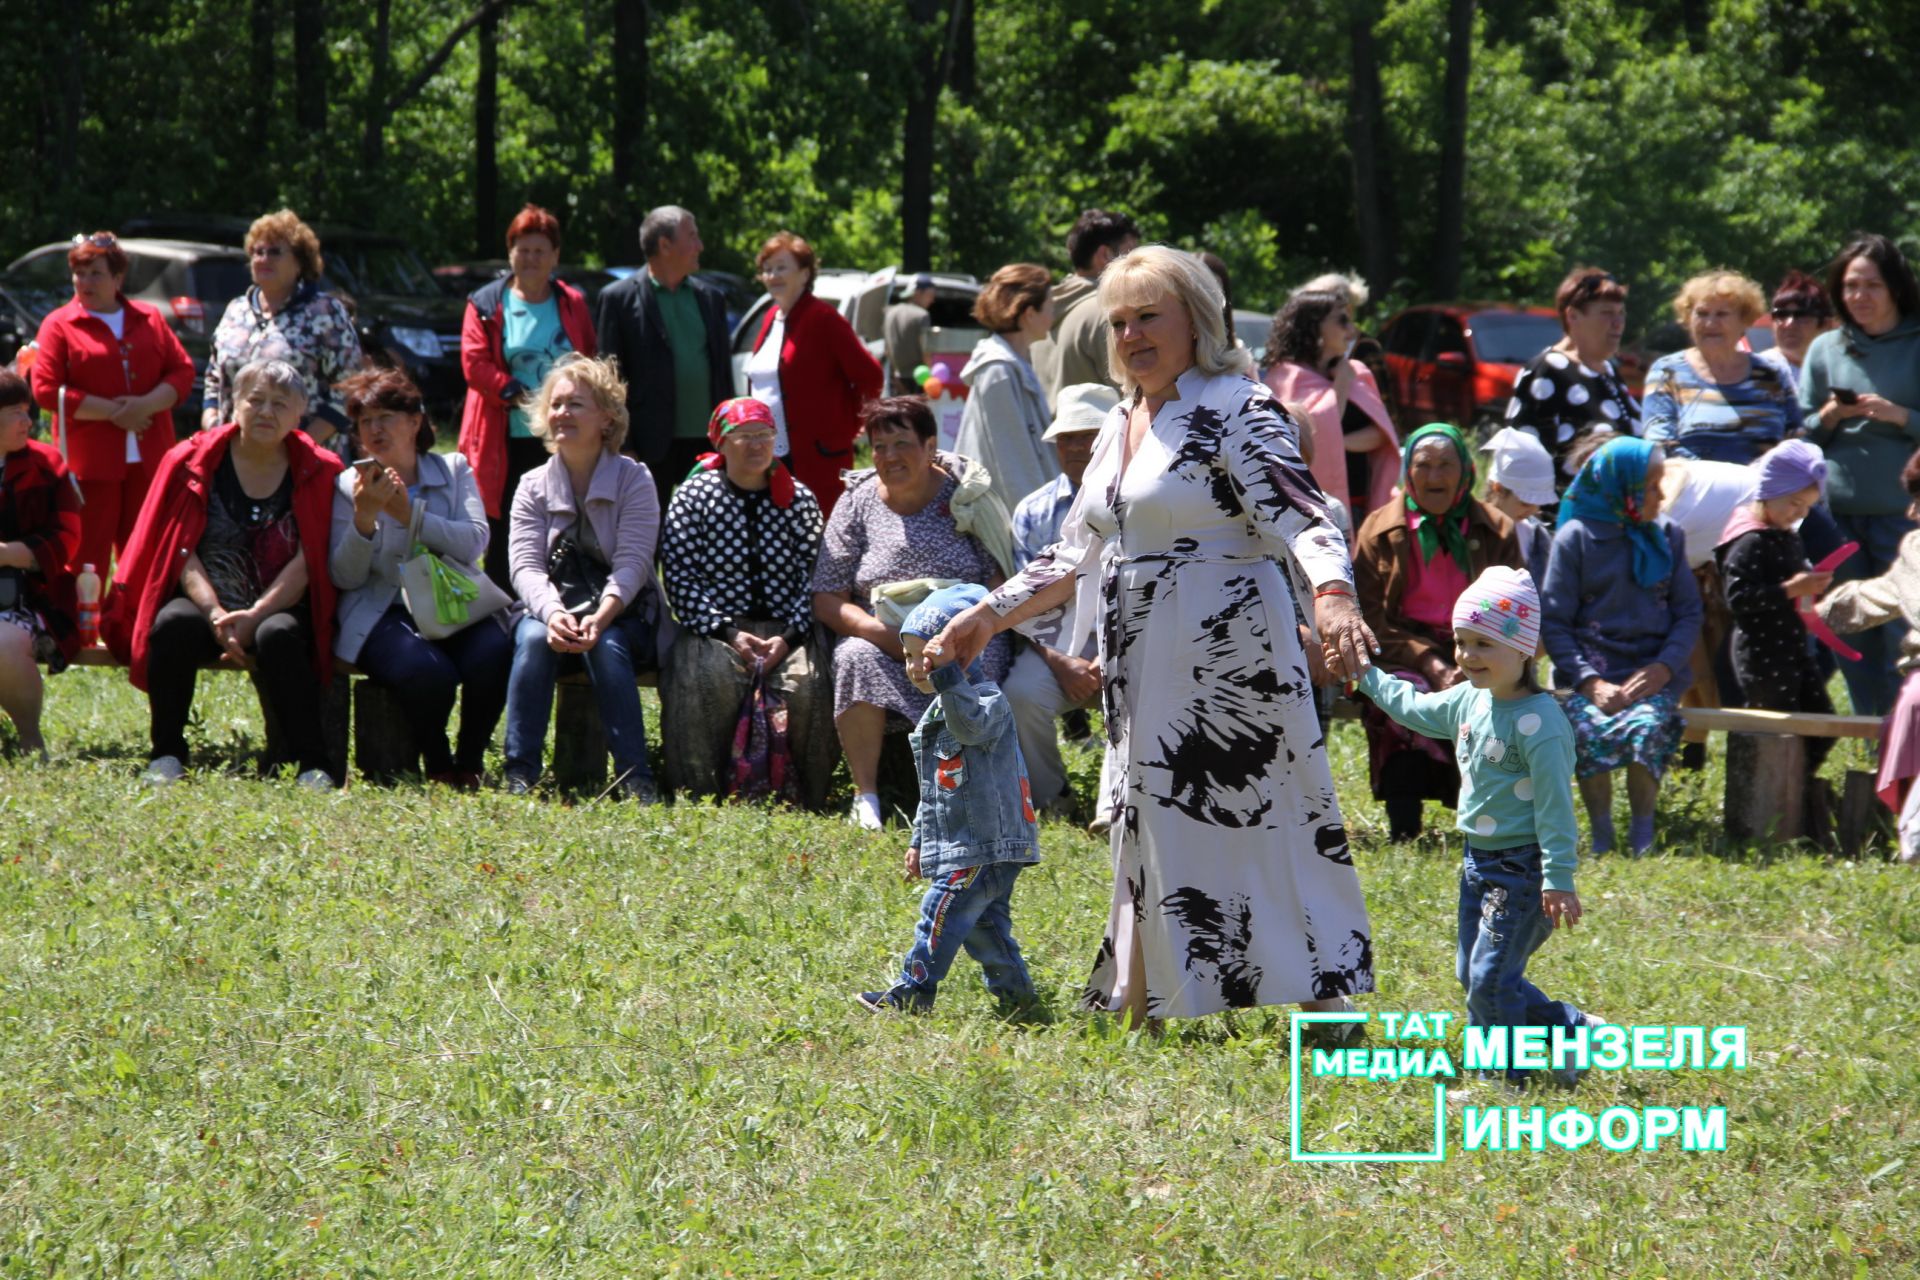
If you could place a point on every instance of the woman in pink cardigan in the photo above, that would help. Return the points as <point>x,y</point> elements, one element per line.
<point>584,530</point>
<point>1354,452</point>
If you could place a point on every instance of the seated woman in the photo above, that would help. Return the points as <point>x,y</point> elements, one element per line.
<point>230,557</point>
<point>1861,605</point>
<point>1714,401</point>
<point>1620,616</point>
<point>39,531</point>
<point>584,530</point>
<point>918,514</point>
<point>374,508</point>
<point>739,545</point>
<point>1411,560</point>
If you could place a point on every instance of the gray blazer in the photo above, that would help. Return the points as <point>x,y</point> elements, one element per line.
<point>367,570</point>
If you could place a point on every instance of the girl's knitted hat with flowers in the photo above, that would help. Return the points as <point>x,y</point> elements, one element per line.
<point>1502,605</point>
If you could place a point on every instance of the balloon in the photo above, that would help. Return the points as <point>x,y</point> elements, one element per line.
<point>934,388</point>
<point>921,373</point>
<point>943,371</point>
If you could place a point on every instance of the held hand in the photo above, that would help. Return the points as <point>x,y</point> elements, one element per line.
<point>595,624</point>
<point>965,637</point>
<point>398,504</point>
<point>746,647</point>
<point>1808,583</point>
<point>1563,908</point>
<point>563,633</point>
<point>912,865</point>
<point>1608,697</point>
<point>226,630</point>
<point>774,652</point>
<point>1078,678</point>
<point>1345,631</point>
<point>1319,670</point>
<point>372,490</point>
<point>131,414</point>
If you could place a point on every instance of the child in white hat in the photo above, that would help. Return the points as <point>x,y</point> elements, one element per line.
<point>1520,487</point>
<point>1514,746</point>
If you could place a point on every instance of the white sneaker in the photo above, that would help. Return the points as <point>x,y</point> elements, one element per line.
<point>866,813</point>
<point>316,780</point>
<point>163,772</point>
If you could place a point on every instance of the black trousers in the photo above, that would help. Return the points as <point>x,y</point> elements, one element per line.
<point>182,642</point>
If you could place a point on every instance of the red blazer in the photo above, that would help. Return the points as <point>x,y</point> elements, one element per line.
<point>826,374</point>
<point>171,523</point>
<point>43,511</point>
<point>78,352</point>
<point>483,425</point>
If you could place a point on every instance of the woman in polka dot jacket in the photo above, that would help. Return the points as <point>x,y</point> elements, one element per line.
<point>1515,750</point>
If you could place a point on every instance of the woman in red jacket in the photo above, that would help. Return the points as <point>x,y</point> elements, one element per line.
<point>230,557</point>
<point>39,528</point>
<point>516,329</point>
<point>811,369</point>
<point>115,368</point>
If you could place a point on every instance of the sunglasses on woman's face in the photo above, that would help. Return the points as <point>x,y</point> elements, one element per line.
<point>1787,315</point>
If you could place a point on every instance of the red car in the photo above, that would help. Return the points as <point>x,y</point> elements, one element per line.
<point>1456,362</point>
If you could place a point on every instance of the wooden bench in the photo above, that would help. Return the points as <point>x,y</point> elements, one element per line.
<point>1767,793</point>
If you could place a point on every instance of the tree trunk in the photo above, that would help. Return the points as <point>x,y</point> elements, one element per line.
<point>629,114</point>
<point>310,68</point>
<point>373,141</point>
<point>261,79</point>
<point>486,124</point>
<point>1450,215</point>
<point>959,67</point>
<point>1367,142</point>
<point>916,174</point>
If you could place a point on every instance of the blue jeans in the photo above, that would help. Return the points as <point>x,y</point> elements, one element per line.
<point>424,676</point>
<point>624,648</point>
<point>1501,926</point>
<point>1872,682</point>
<point>971,907</point>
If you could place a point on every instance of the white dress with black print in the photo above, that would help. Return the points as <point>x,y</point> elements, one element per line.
<point>1230,857</point>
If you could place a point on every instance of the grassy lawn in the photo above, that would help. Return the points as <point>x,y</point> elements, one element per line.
<point>247,1031</point>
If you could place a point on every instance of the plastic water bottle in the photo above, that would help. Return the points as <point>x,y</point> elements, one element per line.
<point>86,588</point>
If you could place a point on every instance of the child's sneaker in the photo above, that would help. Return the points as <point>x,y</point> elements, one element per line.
<point>896,1000</point>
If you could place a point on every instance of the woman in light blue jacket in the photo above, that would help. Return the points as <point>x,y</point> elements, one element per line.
<point>374,505</point>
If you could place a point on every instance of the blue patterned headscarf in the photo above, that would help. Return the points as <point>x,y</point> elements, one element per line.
<point>1609,490</point>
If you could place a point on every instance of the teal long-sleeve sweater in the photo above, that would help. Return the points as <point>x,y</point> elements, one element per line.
<point>1516,765</point>
<point>1866,455</point>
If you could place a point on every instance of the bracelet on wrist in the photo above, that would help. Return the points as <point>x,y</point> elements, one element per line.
<point>1337,589</point>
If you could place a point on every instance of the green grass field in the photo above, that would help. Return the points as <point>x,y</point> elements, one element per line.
<point>247,1031</point>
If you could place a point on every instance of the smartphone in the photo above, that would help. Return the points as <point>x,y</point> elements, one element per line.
<point>1846,396</point>
<point>369,468</point>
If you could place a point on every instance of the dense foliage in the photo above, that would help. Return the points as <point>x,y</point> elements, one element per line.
<point>1654,137</point>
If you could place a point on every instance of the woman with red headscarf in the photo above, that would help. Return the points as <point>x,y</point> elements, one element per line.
<point>110,371</point>
<point>738,549</point>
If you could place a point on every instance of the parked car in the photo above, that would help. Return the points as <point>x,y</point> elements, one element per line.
<point>462,278</point>
<point>188,281</point>
<point>404,316</point>
<point>1253,328</point>
<point>1456,362</point>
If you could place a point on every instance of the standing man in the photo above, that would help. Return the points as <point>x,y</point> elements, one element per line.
<point>668,332</point>
<point>908,326</point>
<point>1077,351</point>
<point>1044,681</point>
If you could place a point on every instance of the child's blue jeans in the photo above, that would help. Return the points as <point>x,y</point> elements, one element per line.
<point>1501,926</point>
<point>970,908</point>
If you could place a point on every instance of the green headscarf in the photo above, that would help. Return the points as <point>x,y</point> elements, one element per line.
<point>1435,532</point>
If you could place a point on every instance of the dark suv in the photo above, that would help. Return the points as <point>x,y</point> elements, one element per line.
<point>404,316</point>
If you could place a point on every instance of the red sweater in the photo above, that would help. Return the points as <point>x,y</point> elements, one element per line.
<point>42,509</point>
<point>172,521</point>
<point>80,356</point>
<point>483,425</point>
<point>826,375</point>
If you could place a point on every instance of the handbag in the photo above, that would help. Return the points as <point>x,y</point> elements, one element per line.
<point>577,578</point>
<point>761,766</point>
<point>444,598</point>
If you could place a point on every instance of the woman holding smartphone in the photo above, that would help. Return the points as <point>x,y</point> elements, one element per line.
<point>1860,392</point>
<point>1351,445</point>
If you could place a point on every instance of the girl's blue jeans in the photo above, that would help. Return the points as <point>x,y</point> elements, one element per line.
<point>971,908</point>
<point>1501,926</point>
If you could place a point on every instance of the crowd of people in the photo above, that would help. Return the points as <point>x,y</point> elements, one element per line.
<point>1189,542</point>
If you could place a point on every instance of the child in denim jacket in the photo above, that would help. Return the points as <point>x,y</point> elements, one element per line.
<point>975,825</point>
<point>1516,753</point>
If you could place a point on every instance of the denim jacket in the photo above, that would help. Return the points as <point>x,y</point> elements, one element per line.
<point>975,806</point>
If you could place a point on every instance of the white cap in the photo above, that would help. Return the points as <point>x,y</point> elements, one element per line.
<point>1082,407</point>
<point>1522,466</point>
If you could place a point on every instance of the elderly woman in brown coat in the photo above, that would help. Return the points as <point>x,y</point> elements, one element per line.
<point>1411,560</point>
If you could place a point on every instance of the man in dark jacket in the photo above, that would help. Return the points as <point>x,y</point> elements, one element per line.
<point>668,332</point>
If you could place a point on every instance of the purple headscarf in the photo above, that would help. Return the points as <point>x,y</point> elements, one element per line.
<point>1789,468</point>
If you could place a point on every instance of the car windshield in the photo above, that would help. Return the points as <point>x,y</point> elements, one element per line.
<point>1512,337</point>
<point>389,269</point>
<point>218,281</point>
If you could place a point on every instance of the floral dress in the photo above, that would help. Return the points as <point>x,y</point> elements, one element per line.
<point>313,333</point>
<point>1231,868</point>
